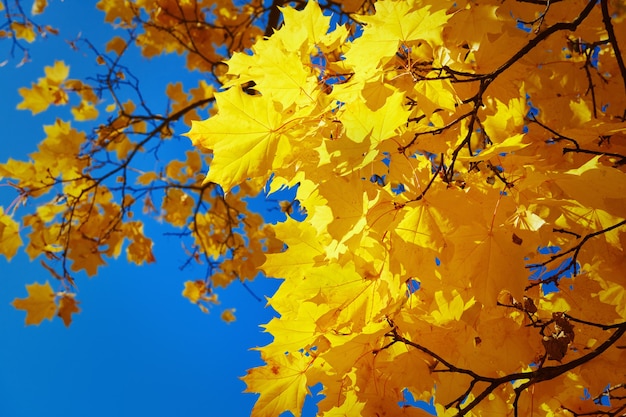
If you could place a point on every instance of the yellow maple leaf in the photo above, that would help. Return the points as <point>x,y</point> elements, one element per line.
<point>277,73</point>
<point>39,304</point>
<point>57,73</point>
<point>309,24</point>
<point>140,248</point>
<point>10,239</point>
<point>605,190</point>
<point>195,290</point>
<point>245,137</point>
<point>147,178</point>
<point>392,24</point>
<point>473,23</point>
<point>85,256</point>
<point>116,44</point>
<point>447,311</point>
<point>422,225</point>
<point>177,207</point>
<point>305,242</point>
<point>48,90</point>
<point>378,119</point>
<point>614,294</point>
<point>36,99</point>
<point>292,334</point>
<point>281,383</point>
<point>24,31</point>
<point>487,260</point>
<point>38,6</point>
<point>116,9</point>
<point>526,220</point>
<point>84,111</point>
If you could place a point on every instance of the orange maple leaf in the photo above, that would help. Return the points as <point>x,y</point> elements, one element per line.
<point>10,239</point>
<point>39,304</point>
<point>68,306</point>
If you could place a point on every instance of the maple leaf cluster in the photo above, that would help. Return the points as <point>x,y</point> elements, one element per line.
<point>42,303</point>
<point>459,223</point>
<point>461,171</point>
<point>89,180</point>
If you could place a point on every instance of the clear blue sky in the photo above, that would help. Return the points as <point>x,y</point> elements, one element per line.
<point>138,348</point>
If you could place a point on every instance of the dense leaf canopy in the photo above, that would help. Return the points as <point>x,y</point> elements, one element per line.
<point>459,223</point>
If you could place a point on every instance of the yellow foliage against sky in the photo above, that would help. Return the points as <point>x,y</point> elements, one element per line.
<point>438,150</point>
<point>89,176</point>
<point>42,303</point>
<point>458,229</point>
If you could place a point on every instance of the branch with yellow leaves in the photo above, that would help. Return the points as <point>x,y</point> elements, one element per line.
<point>541,374</point>
<point>572,257</point>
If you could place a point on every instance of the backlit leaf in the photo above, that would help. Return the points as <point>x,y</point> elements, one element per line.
<point>254,138</point>
<point>281,383</point>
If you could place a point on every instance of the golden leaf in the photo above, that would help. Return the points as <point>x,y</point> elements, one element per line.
<point>84,111</point>
<point>48,90</point>
<point>39,304</point>
<point>38,6</point>
<point>228,315</point>
<point>10,239</point>
<point>245,137</point>
<point>67,306</point>
<point>281,383</point>
<point>116,44</point>
<point>194,290</point>
<point>23,31</point>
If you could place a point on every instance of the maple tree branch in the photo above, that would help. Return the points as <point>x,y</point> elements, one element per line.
<point>432,179</point>
<point>557,27</point>
<point>568,232</point>
<point>435,131</point>
<point>590,87</point>
<point>541,2</point>
<point>149,136</point>
<point>599,325</point>
<point>533,377</point>
<point>191,45</point>
<point>20,17</point>
<point>218,224</point>
<point>543,35</point>
<point>459,400</point>
<point>545,373</point>
<point>606,19</point>
<point>540,19</point>
<point>450,367</point>
<point>449,174</point>
<point>559,136</point>
<point>273,17</point>
<point>608,393</point>
<point>616,412</point>
<point>194,222</point>
<point>577,148</point>
<point>67,226</point>
<point>622,158</point>
<point>551,372</point>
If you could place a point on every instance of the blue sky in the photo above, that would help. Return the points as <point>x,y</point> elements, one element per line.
<point>138,347</point>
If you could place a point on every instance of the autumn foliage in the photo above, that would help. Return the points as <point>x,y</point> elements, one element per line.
<point>458,230</point>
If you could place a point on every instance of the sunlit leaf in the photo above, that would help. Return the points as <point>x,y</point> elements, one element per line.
<point>39,304</point>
